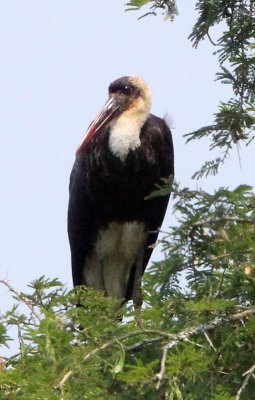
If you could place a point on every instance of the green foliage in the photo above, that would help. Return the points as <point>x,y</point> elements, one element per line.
<point>235,120</point>
<point>193,340</point>
<point>195,337</point>
<point>3,336</point>
<point>168,7</point>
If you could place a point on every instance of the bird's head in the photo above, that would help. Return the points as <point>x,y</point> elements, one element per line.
<point>130,95</point>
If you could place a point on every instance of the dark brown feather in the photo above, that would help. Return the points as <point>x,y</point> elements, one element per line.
<point>104,189</point>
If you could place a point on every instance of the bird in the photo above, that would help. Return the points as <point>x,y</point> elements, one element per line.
<point>112,225</point>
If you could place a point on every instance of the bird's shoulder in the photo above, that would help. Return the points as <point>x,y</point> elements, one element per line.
<point>156,138</point>
<point>156,128</point>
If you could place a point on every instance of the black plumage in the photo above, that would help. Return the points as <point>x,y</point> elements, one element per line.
<point>105,189</point>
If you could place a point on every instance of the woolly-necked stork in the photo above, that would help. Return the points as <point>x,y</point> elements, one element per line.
<point>111,226</point>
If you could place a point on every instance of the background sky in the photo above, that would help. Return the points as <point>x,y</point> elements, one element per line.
<point>57,58</point>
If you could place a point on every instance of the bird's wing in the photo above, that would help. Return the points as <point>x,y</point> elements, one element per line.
<point>81,222</point>
<point>157,135</point>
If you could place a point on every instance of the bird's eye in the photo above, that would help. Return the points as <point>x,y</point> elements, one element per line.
<point>127,90</point>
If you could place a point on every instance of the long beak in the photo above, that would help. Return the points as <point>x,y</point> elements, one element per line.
<point>105,116</point>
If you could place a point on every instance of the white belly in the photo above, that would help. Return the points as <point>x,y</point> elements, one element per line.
<point>116,251</point>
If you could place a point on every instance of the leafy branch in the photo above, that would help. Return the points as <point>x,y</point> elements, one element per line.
<point>21,297</point>
<point>168,7</point>
<point>235,120</point>
<point>86,356</point>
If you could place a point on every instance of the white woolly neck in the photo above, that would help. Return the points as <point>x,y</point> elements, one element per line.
<point>125,130</point>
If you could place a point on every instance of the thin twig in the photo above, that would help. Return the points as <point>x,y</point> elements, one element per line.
<point>214,258</point>
<point>209,37</point>
<point>210,342</point>
<point>195,344</point>
<point>61,383</point>
<point>248,374</point>
<point>21,297</point>
<point>8,360</point>
<point>137,345</point>
<point>223,219</point>
<point>161,374</point>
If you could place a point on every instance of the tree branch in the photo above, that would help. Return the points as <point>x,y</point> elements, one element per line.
<point>175,338</point>
<point>223,219</point>
<point>218,321</point>
<point>22,298</point>
<point>126,336</point>
<point>248,374</point>
<point>112,343</point>
<point>137,345</point>
<point>161,373</point>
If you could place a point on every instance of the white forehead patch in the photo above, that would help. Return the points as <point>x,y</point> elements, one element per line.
<point>144,88</point>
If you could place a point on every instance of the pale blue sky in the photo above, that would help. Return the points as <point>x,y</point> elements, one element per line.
<point>57,60</point>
